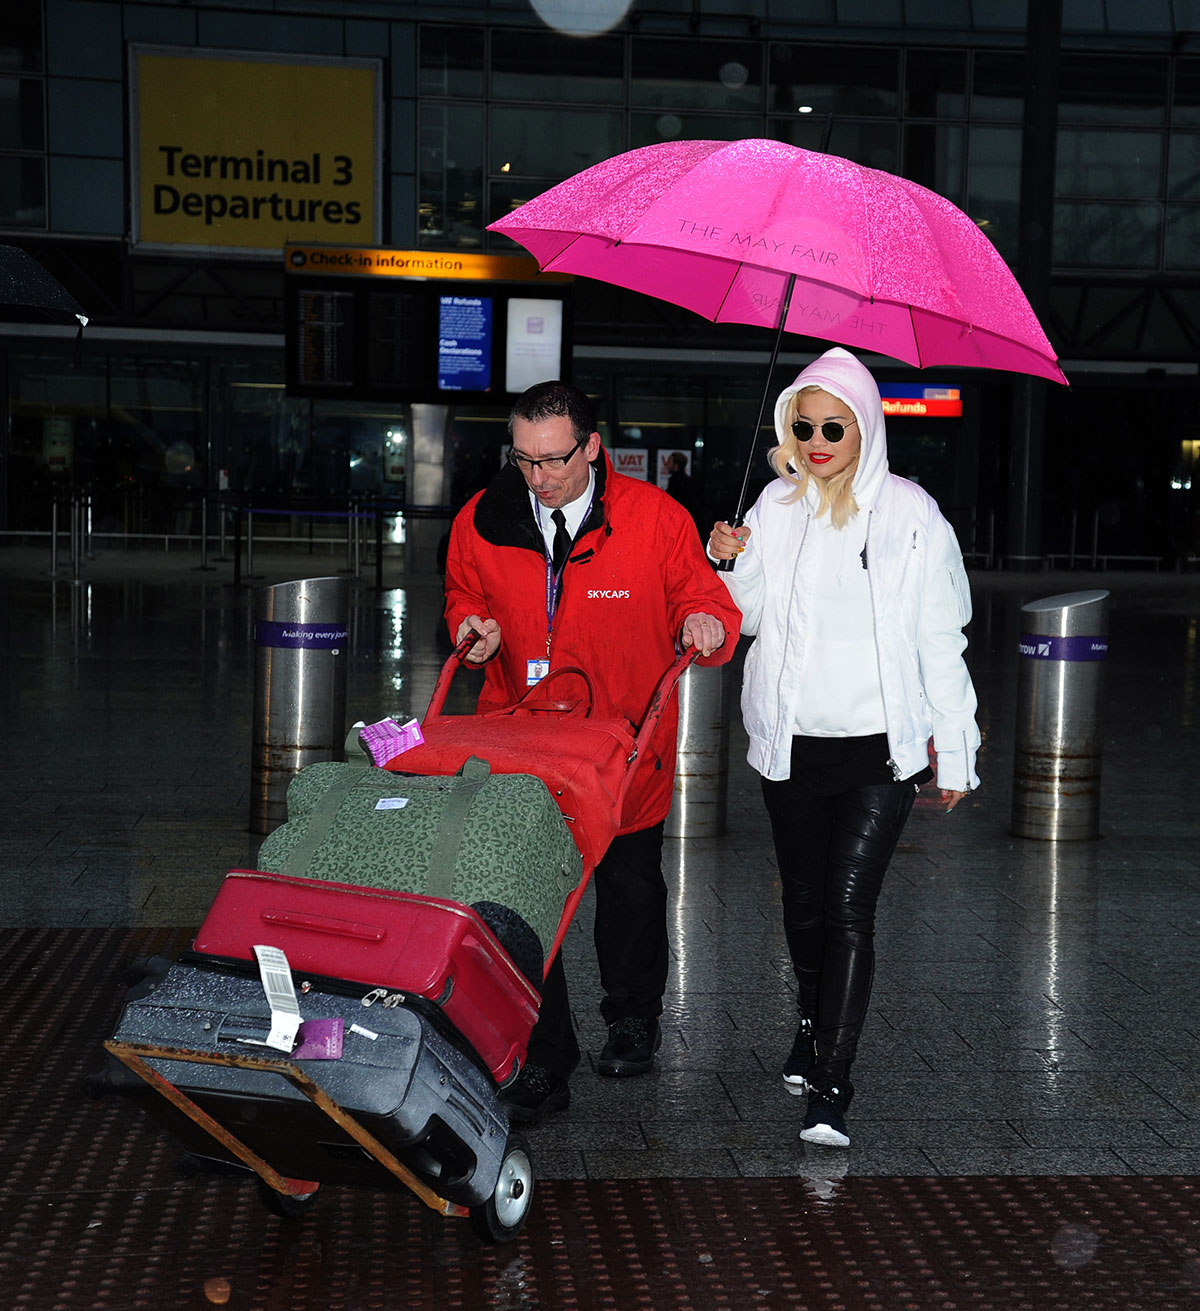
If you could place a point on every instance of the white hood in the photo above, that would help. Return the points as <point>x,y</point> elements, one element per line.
<point>843,375</point>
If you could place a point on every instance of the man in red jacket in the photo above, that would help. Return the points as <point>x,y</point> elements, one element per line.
<point>562,561</point>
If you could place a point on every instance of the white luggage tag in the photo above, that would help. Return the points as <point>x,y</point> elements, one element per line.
<point>276,975</point>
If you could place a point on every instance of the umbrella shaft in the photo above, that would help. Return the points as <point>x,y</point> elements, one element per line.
<point>762,409</point>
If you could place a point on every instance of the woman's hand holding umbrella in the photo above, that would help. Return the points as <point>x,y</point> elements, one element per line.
<point>726,543</point>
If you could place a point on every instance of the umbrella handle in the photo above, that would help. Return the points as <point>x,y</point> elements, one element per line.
<point>726,566</point>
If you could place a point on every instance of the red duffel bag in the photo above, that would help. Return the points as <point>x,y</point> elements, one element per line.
<point>583,760</point>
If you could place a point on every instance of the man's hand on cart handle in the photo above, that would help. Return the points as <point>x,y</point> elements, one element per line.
<point>488,631</point>
<point>705,632</point>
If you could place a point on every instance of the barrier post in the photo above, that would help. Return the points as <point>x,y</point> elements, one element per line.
<point>702,758</point>
<point>301,630</point>
<point>1056,766</point>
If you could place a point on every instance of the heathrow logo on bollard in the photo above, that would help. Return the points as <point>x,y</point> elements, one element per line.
<point>1035,646</point>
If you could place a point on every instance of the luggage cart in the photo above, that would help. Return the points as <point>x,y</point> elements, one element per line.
<point>411,1103</point>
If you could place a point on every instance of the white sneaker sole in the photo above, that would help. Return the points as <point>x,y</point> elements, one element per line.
<point>796,1084</point>
<point>825,1136</point>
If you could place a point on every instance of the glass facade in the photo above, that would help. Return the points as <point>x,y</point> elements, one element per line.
<point>22,117</point>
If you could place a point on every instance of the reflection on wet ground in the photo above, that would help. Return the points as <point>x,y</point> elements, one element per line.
<point>1028,1076</point>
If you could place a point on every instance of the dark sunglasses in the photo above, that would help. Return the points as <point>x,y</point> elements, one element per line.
<point>803,431</point>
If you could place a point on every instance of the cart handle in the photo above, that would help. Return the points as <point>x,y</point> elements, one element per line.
<point>658,703</point>
<point>654,712</point>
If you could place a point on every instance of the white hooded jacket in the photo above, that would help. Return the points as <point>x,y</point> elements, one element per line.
<point>920,601</point>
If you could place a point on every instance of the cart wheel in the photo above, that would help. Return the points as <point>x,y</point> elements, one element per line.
<point>288,1206</point>
<point>502,1217</point>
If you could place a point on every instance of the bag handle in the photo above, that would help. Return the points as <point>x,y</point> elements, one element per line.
<point>441,689</point>
<point>529,703</point>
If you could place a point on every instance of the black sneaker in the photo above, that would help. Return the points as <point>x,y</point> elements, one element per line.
<point>534,1094</point>
<point>825,1119</point>
<point>630,1048</point>
<point>798,1064</point>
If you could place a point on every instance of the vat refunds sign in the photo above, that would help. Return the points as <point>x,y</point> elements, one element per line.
<point>248,152</point>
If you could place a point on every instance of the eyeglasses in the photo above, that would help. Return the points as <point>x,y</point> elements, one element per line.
<point>803,431</point>
<point>550,463</point>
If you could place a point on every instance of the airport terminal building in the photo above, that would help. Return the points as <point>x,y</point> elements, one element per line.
<point>264,208</point>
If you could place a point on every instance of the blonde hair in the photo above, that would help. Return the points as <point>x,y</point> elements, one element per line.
<point>835,494</point>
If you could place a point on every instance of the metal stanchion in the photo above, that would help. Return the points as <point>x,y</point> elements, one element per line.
<point>300,634</point>
<point>222,512</point>
<point>54,536</point>
<point>237,545</point>
<point>350,536</point>
<point>1056,766</point>
<point>204,565</point>
<point>358,529</point>
<point>379,548</point>
<point>76,535</point>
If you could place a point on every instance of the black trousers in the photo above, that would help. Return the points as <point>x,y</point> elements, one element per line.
<point>631,947</point>
<point>833,853</point>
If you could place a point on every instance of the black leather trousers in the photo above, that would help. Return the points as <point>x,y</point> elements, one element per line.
<point>833,853</point>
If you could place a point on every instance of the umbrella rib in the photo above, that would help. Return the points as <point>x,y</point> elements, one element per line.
<point>558,254</point>
<point>916,340</point>
<point>728,288</point>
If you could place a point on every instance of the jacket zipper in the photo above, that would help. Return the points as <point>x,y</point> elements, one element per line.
<point>779,730</point>
<point>897,772</point>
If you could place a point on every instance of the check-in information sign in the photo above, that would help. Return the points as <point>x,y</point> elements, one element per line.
<point>250,152</point>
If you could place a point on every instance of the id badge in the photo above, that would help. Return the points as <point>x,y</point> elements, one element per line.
<point>535,671</point>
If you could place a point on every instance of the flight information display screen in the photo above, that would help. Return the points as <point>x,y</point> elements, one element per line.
<point>423,340</point>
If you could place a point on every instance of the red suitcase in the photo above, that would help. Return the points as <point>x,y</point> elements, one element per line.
<point>395,942</point>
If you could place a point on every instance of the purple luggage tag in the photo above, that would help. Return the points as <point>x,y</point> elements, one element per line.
<point>320,1040</point>
<point>389,738</point>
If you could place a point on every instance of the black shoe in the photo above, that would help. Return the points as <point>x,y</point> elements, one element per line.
<point>825,1119</point>
<point>798,1064</point>
<point>630,1048</point>
<point>534,1094</point>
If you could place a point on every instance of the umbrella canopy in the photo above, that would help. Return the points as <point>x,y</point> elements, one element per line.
<point>740,231</point>
<point>28,292</point>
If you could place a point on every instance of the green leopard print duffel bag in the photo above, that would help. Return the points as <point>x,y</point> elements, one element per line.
<point>496,842</point>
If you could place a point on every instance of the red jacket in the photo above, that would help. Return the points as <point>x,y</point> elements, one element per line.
<point>635,573</point>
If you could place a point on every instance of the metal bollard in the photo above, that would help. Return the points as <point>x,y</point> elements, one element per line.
<point>702,759</point>
<point>1056,767</point>
<point>300,634</point>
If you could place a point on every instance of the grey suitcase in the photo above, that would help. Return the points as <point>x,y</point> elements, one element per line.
<point>409,1086</point>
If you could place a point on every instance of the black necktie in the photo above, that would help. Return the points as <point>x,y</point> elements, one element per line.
<point>562,540</point>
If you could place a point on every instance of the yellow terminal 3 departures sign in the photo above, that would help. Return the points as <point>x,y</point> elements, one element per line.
<point>247,153</point>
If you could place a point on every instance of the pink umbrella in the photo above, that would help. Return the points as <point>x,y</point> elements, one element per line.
<point>764,233</point>
<point>723,228</point>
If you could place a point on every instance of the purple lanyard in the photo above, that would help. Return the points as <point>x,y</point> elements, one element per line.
<point>552,578</point>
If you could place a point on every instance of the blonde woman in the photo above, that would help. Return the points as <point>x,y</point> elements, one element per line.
<point>852,584</point>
